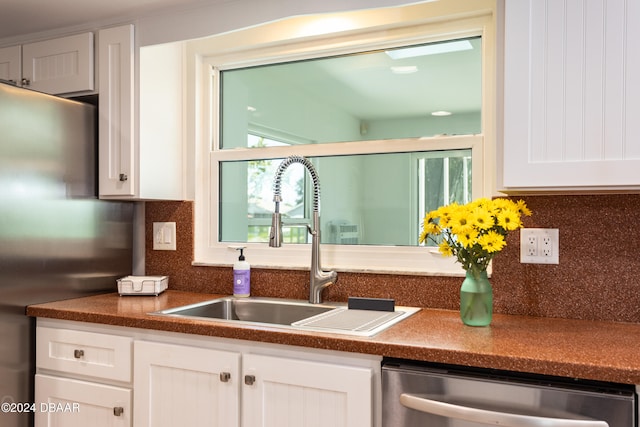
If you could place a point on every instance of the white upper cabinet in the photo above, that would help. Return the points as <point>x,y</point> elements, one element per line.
<point>59,66</point>
<point>141,152</point>
<point>116,137</point>
<point>571,95</point>
<point>11,64</point>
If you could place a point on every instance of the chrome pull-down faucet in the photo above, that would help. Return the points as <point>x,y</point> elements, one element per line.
<point>318,278</point>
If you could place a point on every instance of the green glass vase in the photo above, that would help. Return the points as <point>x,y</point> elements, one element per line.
<point>476,299</point>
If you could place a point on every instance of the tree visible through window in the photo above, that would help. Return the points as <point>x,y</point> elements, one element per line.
<point>260,175</point>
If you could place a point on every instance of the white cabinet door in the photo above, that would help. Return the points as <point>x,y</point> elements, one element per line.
<point>58,66</point>
<point>11,64</point>
<point>73,403</point>
<point>177,385</point>
<point>161,131</point>
<point>572,95</point>
<point>141,158</point>
<point>117,156</point>
<point>283,392</point>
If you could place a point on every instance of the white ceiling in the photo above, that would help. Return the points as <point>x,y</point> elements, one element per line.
<point>21,17</point>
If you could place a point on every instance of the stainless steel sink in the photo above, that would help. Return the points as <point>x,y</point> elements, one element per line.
<point>296,314</point>
<point>259,310</point>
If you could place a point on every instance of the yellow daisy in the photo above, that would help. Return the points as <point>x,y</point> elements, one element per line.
<point>522,208</point>
<point>492,242</point>
<point>482,219</point>
<point>429,224</point>
<point>502,204</point>
<point>483,203</point>
<point>509,219</point>
<point>445,249</point>
<point>444,214</point>
<point>468,238</point>
<point>460,221</point>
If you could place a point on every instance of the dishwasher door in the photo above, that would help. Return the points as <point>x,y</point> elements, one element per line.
<point>437,396</point>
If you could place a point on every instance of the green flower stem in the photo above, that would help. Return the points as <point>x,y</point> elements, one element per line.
<point>465,311</point>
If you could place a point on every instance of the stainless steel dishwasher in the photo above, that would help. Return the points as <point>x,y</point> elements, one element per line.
<point>428,395</point>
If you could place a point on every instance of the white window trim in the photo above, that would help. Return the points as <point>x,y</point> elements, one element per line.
<point>286,40</point>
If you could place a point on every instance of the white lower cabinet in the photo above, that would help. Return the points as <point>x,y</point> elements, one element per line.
<point>83,378</point>
<point>182,385</point>
<point>179,384</point>
<point>190,380</point>
<point>281,392</point>
<point>75,403</point>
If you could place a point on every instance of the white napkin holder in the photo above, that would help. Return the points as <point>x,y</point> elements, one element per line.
<point>142,285</point>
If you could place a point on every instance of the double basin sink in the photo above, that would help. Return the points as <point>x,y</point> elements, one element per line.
<point>296,314</point>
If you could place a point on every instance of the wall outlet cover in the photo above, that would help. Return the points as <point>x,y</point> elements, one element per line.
<point>539,246</point>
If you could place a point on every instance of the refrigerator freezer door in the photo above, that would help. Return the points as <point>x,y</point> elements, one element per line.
<point>57,240</point>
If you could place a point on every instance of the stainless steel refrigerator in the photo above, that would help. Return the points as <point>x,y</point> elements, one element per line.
<point>57,240</point>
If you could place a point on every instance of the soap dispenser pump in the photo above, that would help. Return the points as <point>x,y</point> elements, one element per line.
<point>241,276</point>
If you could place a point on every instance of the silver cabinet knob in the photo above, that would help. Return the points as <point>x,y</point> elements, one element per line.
<point>25,81</point>
<point>78,354</point>
<point>249,379</point>
<point>118,411</point>
<point>123,177</point>
<point>225,377</point>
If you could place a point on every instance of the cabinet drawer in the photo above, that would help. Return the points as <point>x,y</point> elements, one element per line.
<point>69,402</point>
<point>85,353</point>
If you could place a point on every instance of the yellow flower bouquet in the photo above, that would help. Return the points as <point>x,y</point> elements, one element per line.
<point>475,232</point>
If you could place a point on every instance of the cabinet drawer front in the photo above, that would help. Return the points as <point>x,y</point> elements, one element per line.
<point>70,403</point>
<point>85,353</point>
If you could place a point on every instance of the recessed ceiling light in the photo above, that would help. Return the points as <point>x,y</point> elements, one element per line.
<point>408,69</point>
<point>429,49</point>
<point>251,109</point>
<point>441,113</point>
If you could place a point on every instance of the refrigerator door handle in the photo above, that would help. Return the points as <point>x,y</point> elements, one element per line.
<point>503,419</point>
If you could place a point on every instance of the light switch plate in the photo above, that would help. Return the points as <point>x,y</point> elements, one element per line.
<point>164,236</point>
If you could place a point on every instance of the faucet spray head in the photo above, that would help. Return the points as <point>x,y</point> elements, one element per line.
<point>275,234</point>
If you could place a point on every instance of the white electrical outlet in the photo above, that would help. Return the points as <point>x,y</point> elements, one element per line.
<point>539,246</point>
<point>164,236</point>
<point>531,245</point>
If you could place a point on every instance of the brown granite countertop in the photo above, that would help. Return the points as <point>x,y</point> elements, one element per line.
<point>605,351</point>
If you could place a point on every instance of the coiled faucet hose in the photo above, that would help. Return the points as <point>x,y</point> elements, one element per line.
<point>312,171</point>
